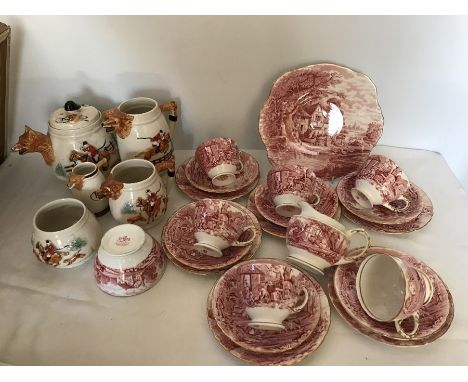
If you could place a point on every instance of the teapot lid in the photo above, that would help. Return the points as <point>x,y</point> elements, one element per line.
<point>73,116</point>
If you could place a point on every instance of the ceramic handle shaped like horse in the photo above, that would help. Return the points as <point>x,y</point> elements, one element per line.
<point>171,108</point>
<point>33,141</point>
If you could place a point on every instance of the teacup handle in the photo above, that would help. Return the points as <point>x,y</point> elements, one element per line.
<point>363,233</point>
<point>303,303</point>
<point>396,209</point>
<point>401,331</point>
<point>239,166</point>
<point>316,200</point>
<point>244,243</point>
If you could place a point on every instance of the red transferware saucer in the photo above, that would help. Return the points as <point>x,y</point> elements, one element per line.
<point>201,272</point>
<point>264,281</point>
<point>178,239</point>
<point>275,359</point>
<point>434,320</point>
<point>324,117</point>
<point>380,214</point>
<point>199,179</point>
<point>328,204</point>
<point>267,226</point>
<point>194,193</point>
<point>413,225</point>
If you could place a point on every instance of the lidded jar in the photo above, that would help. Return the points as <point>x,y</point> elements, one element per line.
<point>75,135</point>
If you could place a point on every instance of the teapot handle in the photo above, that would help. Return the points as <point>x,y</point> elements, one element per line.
<point>171,108</point>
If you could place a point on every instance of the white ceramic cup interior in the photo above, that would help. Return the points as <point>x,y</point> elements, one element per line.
<point>223,174</point>
<point>59,215</point>
<point>138,106</point>
<point>84,169</point>
<point>133,171</point>
<point>382,287</point>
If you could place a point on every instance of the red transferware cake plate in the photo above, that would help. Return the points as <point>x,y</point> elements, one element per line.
<point>325,117</point>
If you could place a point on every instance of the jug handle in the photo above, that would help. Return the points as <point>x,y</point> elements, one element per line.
<point>168,165</point>
<point>76,182</point>
<point>110,188</point>
<point>171,108</point>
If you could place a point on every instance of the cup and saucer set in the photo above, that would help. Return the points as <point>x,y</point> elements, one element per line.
<point>211,235</point>
<point>218,170</point>
<point>380,197</point>
<point>262,311</point>
<point>276,200</point>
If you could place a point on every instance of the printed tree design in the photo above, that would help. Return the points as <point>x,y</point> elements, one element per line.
<point>60,171</point>
<point>129,208</point>
<point>77,244</point>
<point>113,139</point>
<point>312,88</point>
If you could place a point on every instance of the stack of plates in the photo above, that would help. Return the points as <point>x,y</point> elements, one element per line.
<point>258,282</point>
<point>194,183</point>
<point>178,238</point>
<point>434,318</point>
<point>381,219</point>
<point>261,205</point>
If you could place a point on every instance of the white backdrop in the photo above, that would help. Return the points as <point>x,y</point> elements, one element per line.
<point>220,69</point>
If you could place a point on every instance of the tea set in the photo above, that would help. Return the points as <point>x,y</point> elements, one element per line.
<point>189,251</point>
<point>218,170</point>
<point>263,311</point>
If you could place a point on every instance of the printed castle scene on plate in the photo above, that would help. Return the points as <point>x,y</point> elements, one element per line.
<point>270,292</point>
<point>325,116</point>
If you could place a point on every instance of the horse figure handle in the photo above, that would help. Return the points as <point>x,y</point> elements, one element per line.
<point>171,108</point>
<point>110,188</point>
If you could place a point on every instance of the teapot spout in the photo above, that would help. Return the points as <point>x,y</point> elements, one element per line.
<point>32,141</point>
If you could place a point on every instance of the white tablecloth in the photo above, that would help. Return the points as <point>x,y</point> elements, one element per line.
<point>58,316</point>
